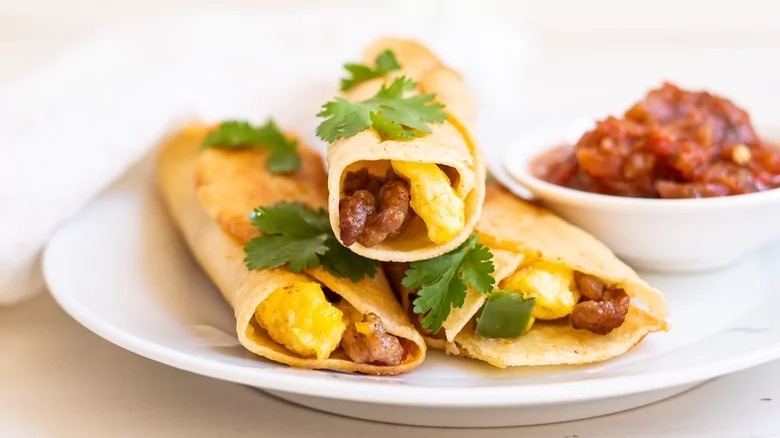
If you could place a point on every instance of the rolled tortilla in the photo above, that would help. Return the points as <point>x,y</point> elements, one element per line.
<point>450,143</point>
<point>209,195</point>
<point>515,231</point>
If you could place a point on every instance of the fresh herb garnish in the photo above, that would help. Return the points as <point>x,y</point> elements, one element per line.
<point>391,114</point>
<point>443,280</point>
<point>385,63</point>
<point>299,237</point>
<point>283,154</point>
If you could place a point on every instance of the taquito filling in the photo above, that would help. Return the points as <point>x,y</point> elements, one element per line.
<point>537,291</point>
<point>375,208</point>
<point>544,291</point>
<point>305,321</point>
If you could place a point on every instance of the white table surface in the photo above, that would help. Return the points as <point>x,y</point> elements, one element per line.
<point>58,379</point>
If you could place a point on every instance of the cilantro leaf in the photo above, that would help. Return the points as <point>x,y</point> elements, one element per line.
<point>277,250</point>
<point>283,154</point>
<point>438,299</point>
<point>386,129</point>
<point>291,218</point>
<point>443,280</point>
<point>476,268</point>
<point>342,262</point>
<point>344,119</point>
<point>231,134</point>
<point>385,63</point>
<point>299,237</point>
<point>391,114</point>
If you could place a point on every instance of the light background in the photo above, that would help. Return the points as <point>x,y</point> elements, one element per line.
<point>592,57</point>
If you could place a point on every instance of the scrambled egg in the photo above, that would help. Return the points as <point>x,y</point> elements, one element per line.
<point>353,316</point>
<point>551,285</point>
<point>299,317</point>
<point>433,199</point>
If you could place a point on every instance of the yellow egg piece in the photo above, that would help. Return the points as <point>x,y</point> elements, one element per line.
<point>299,317</point>
<point>550,284</point>
<point>433,199</point>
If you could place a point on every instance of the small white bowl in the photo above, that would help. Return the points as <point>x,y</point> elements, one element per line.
<point>679,235</point>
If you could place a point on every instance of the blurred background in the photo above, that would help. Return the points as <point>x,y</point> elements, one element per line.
<point>528,59</point>
<point>578,57</point>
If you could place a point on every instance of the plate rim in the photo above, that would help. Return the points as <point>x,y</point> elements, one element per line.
<point>378,392</point>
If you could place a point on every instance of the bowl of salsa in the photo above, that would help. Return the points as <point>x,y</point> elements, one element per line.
<point>672,144</point>
<point>681,181</point>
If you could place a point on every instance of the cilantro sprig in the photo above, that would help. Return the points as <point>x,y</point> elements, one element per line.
<point>392,115</point>
<point>237,134</point>
<point>359,73</point>
<point>443,280</point>
<point>299,237</point>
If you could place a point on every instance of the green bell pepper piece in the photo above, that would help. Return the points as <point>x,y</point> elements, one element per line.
<point>505,315</point>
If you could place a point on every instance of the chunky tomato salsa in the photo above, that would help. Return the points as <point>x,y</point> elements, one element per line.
<point>672,144</point>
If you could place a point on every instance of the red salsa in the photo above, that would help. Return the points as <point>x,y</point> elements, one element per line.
<point>672,144</point>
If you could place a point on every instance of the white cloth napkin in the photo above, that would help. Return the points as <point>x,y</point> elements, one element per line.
<point>75,126</point>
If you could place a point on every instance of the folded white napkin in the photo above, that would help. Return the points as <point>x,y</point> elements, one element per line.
<point>75,126</point>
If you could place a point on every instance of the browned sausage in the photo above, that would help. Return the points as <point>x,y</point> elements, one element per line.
<point>377,346</point>
<point>601,316</point>
<point>393,210</point>
<point>589,286</point>
<point>361,180</point>
<point>354,211</point>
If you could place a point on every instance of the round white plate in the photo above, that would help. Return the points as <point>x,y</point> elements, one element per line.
<point>120,269</point>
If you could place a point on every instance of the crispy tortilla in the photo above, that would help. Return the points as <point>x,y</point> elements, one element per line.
<point>209,195</point>
<point>450,143</point>
<point>514,230</point>
<point>557,343</point>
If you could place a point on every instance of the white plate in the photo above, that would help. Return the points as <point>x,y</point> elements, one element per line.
<point>120,270</point>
